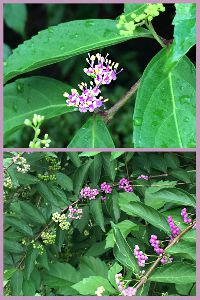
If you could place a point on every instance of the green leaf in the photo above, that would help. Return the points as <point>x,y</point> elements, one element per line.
<point>147,213</point>
<point>63,41</point>
<point>125,198</point>
<point>26,179</point>
<point>60,274</point>
<point>165,114</point>
<point>74,157</point>
<point>116,268</point>
<point>97,212</point>
<point>28,288</point>
<point>80,176</point>
<point>93,266</point>
<point>181,175</point>
<point>126,254</point>
<point>44,191</point>
<point>89,285</point>
<point>6,51</point>
<point>116,154</point>
<point>190,236</point>
<point>187,249</point>
<point>184,32</point>
<point>83,222</point>
<point>30,262</point>
<point>93,134</point>
<point>19,224</point>
<point>97,249</point>
<point>32,213</point>
<point>125,227</point>
<point>15,16</point>
<point>109,165</point>
<point>12,246</point>
<point>64,181</point>
<point>168,195</point>
<point>184,289</point>
<point>35,95</point>
<point>136,8</point>
<point>16,283</point>
<point>95,170</point>
<point>112,205</point>
<point>177,272</point>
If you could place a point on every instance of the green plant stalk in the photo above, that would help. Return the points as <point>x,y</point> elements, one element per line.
<point>155,35</point>
<point>152,268</point>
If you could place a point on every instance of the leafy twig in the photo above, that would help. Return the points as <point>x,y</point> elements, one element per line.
<point>114,109</point>
<point>152,268</point>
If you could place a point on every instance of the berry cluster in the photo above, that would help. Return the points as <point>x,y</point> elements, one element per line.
<point>87,192</point>
<point>145,177</point>
<point>99,291</point>
<point>21,164</point>
<point>106,188</point>
<point>61,220</point>
<point>166,259</point>
<point>35,125</point>
<point>54,163</point>
<point>102,71</point>
<point>37,246</point>
<point>155,243</point>
<point>48,238</point>
<point>128,27</point>
<point>184,214</point>
<point>174,229</point>
<point>130,291</point>
<point>75,213</point>
<point>47,178</point>
<point>7,182</point>
<point>125,185</point>
<point>141,257</point>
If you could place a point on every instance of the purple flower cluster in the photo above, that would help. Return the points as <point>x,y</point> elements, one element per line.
<point>75,213</point>
<point>102,72</point>
<point>106,188</point>
<point>174,229</point>
<point>125,185</point>
<point>101,69</point>
<point>129,291</point>
<point>87,192</point>
<point>185,216</point>
<point>103,198</point>
<point>145,177</point>
<point>166,259</point>
<point>141,257</point>
<point>155,243</point>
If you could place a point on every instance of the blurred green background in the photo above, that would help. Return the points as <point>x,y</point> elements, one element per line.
<point>133,56</point>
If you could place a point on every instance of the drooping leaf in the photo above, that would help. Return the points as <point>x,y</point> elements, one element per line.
<point>16,283</point>
<point>34,95</point>
<point>165,114</point>
<point>136,8</point>
<point>125,227</point>
<point>183,248</point>
<point>184,32</point>
<point>93,134</point>
<point>80,176</point>
<point>15,16</point>
<point>147,213</point>
<point>190,236</point>
<point>64,181</point>
<point>95,170</point>
<point>116,268</point>
<point>18,224</point>
<point>97,212</point>
<point>88,286</point>
<point>63,41</point>
<point>109,165</point>
<point>32,213</point>
<point>12,246</point>
<point>177,272</point>
<point>92,266</point>
<point>30,262</point>
<point>124,253</point>
<point>28,288</point>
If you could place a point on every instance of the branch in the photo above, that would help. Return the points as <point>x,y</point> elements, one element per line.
<point>151,269</point>
<point>113,110</point>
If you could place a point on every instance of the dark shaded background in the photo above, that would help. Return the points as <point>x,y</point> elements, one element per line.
<point>133,56</point>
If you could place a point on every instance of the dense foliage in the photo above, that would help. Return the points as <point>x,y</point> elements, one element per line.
<point>53,51</point>
<point>99,224</point>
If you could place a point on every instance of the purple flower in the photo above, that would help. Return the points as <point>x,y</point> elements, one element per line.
<point>129,291</point>
<point>155,243</point>
<point>102,70</point>
<point>75,213</point>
